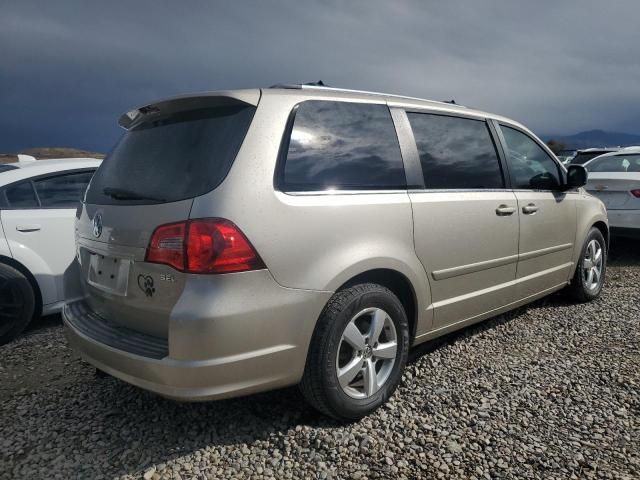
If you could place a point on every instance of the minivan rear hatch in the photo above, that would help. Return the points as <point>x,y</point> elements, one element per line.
<point>172,152</point>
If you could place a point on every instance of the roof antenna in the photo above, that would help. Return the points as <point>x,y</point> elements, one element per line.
<point>452,101</point>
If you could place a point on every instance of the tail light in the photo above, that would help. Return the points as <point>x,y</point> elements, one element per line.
<point>207,245</point>
<point>636,192</point>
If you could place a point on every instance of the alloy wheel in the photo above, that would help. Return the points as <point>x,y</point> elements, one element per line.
<point>592,265</point>
<point>366,353</point>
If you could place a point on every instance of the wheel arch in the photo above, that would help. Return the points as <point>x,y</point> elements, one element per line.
<point>32,281</point>
<point>399,284</point>
<point>604,229</point>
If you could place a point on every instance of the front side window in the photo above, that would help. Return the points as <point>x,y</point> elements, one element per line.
<point>456,153</point>
<point>62,191</point>
<point>531,166</point>
<point>342,146</point>
<point>20,195</point>
<point>616,163</point>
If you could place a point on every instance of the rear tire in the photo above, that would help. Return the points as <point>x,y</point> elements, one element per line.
<point>357,353</point>
<point>592,265</point>
<point>17,303</point>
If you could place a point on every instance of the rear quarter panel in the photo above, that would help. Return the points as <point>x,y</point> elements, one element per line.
<point>313,242</point>
<point>4,245</point>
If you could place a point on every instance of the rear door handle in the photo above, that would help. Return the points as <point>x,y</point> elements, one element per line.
<point>505,210</point>
<point>530,209</point>
<point>34,227</point>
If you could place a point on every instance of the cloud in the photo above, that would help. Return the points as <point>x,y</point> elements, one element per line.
<point>70,68</point>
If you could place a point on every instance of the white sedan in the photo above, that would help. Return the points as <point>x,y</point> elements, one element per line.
<point>615,179</point>
<point>38,201</point>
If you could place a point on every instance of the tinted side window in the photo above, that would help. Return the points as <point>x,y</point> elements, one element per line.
<point>339,145</point>
<point>62,191</point>
<point>455,152</point>
<point>21,195</point>
<point>531,166</point>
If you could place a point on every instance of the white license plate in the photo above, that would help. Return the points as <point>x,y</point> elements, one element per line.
<point>109,273</point>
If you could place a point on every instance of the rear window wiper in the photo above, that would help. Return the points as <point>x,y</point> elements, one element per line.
<point>122,194</point>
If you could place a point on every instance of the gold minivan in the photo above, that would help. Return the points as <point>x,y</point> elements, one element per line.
<point>240,241</point>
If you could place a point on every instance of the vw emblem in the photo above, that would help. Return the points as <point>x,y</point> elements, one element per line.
<point>97,225</point>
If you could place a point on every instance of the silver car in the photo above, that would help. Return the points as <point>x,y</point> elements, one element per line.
<point>615,179</point>
<point>240,241</point>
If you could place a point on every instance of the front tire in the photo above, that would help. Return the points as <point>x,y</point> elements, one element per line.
<point>589,276</point>
<point>357,353</point>
<point>17,303</point>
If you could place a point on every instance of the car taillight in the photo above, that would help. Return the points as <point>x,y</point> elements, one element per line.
<point>636,192</point>
<point>167,245</point>
<point>218,246</point>
<point>208,245</point>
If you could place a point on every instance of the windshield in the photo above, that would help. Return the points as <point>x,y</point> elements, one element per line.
<point>183,156</point>
<point>617,163</point>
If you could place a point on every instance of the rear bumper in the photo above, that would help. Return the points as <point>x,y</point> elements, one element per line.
<point>256,345</point>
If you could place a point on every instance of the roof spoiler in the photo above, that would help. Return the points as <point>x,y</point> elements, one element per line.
<point>182,103</point>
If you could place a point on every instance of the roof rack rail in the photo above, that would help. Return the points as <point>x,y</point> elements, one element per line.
<point>298,86</point>
<point>319,85</point>
<point>292,86</point>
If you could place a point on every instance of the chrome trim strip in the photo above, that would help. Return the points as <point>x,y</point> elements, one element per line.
<point>544,251</point>
<point>415,190</point>
<point>343,192</point>
<point>458,190</point>
<point>497,262</point>
<point>473,267</point>
<point>501,286</point>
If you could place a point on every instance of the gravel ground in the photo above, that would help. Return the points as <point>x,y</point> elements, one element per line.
<point>549,391</point>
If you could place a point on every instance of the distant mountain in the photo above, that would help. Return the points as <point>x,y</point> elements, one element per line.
<point>44,153</point>
<point>596,138</point>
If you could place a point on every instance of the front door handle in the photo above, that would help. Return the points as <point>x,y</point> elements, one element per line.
<point>530,209</point>
<point>505,210</point>
<point>34,227</point>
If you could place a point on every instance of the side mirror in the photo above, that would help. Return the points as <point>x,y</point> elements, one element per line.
<point>576,177</point>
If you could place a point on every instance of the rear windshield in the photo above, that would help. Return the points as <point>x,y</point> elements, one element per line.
<point>171,159</point>
<point>616,163</point>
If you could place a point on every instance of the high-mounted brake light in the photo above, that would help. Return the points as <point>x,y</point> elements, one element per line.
<point>207,245</point>
<point>636,192</point>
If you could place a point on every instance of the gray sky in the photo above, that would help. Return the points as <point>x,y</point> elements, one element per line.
<point>69,68</point>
